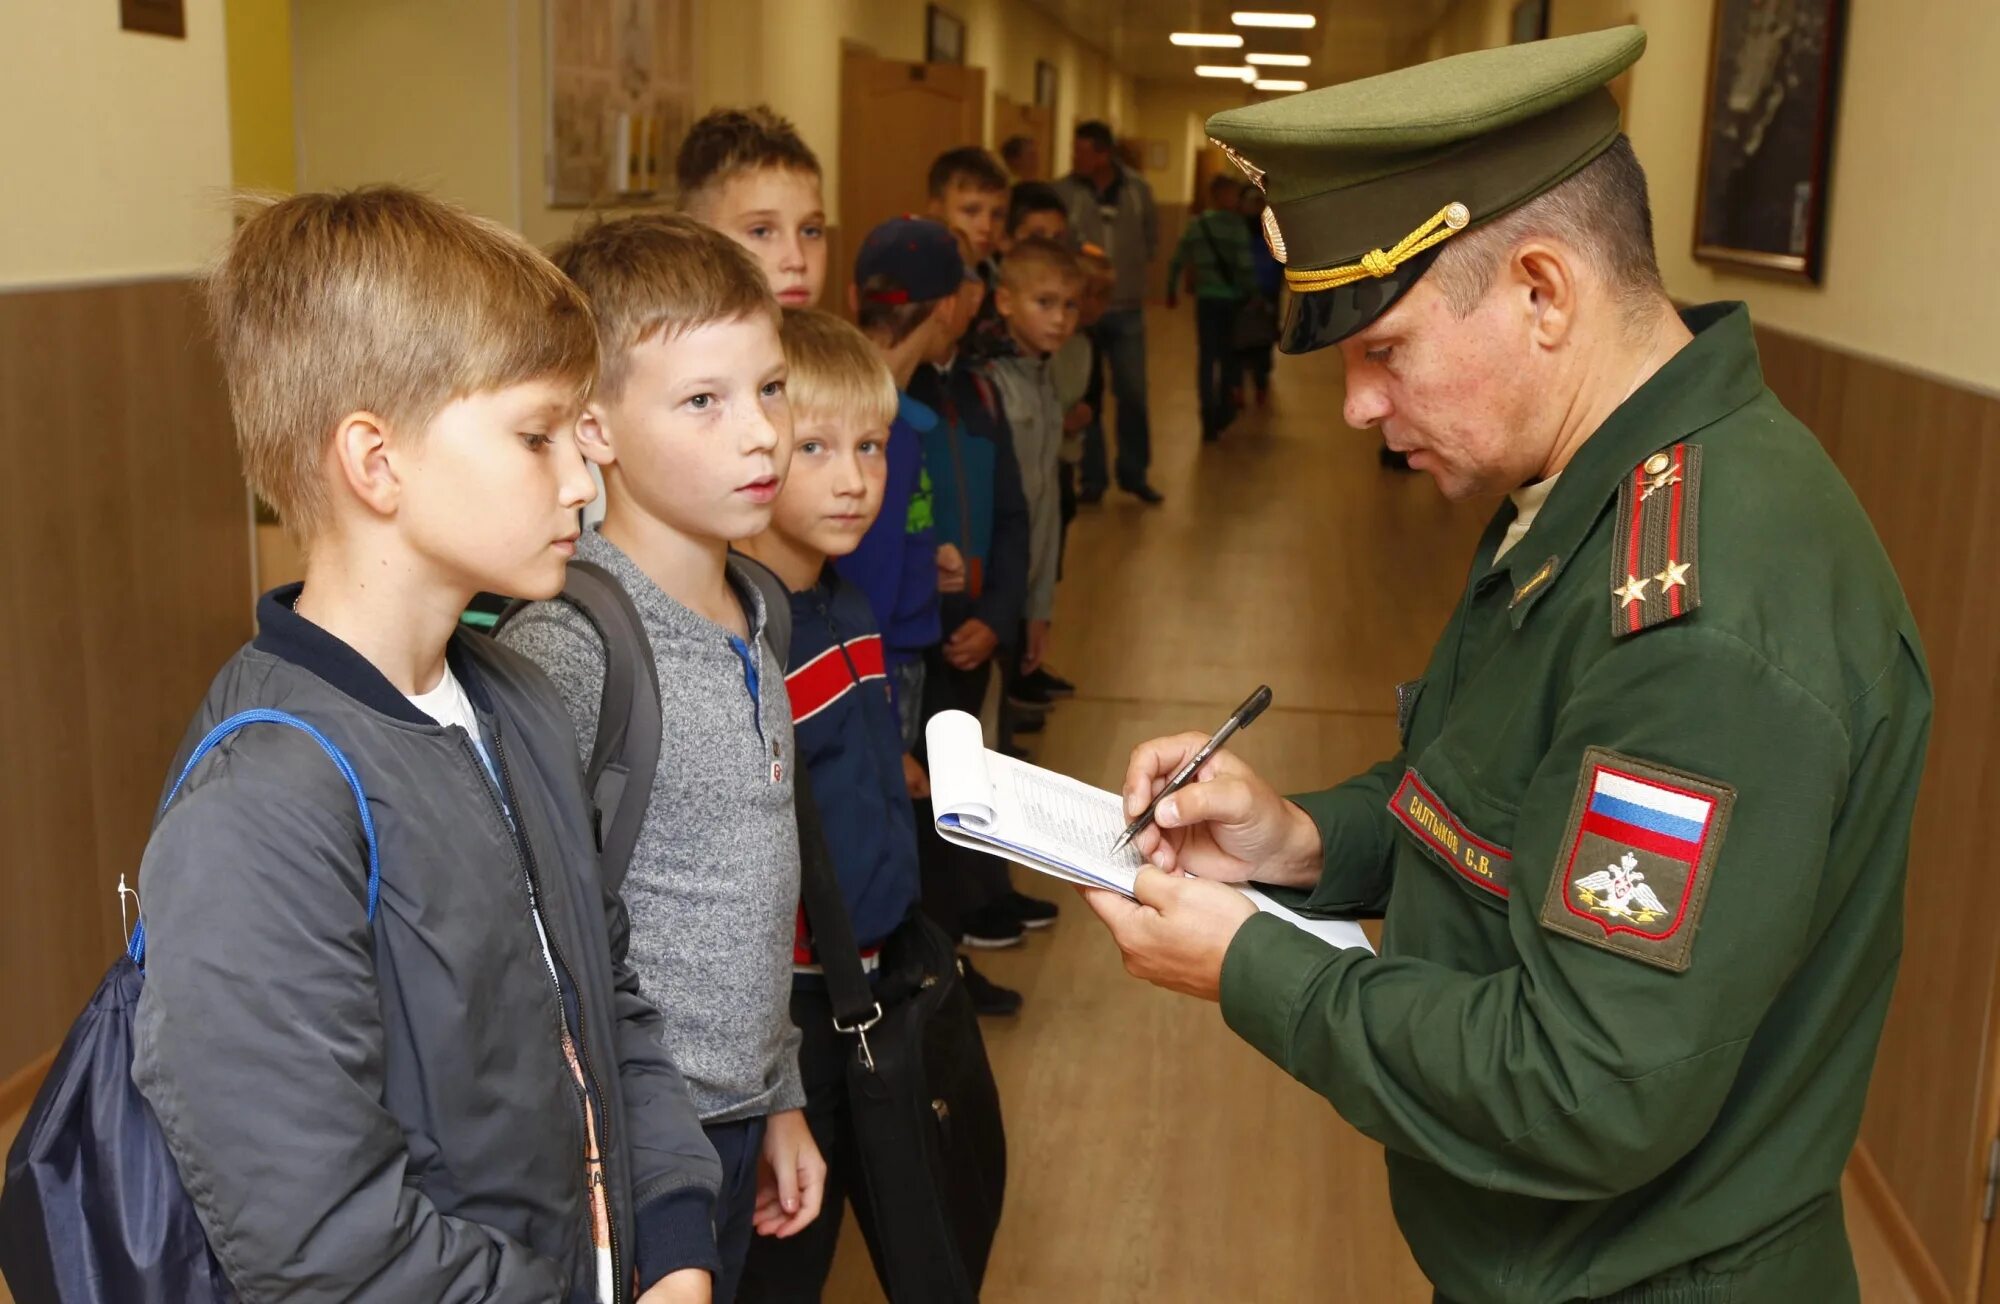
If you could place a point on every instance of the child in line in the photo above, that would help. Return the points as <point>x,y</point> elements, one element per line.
<point>911,299</point>
<point>463,1097</point>
<point>844,400</point>
<point>690,426</point>
<point>905,295</point>
<point>1215,250</point>
<point>747,173</point>
<point>1037,299</point>
<point>969,194</point>
<point>1078,375</point>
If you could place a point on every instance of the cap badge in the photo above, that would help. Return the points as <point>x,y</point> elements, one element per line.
<point>1244,165</point>
<point>1272,235</point>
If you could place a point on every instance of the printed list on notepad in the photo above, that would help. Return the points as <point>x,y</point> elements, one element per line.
<point>1073,823</point>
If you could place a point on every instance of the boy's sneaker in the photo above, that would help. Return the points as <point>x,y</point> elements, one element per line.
<point>1053,685</point>
<point>1033,912</point>
<point>1029,694</point>
<point>988,997</point>
<point>992,927</point>
<point>1027,722</point>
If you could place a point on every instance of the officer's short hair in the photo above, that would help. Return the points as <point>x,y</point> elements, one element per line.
<point>1602,212</point>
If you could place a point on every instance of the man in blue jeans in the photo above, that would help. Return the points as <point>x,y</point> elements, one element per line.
<point>1111,206</point>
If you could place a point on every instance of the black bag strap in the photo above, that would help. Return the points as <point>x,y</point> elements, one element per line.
<point>853,1000</point>
<point>854,1006</point>
<point>626,753</point>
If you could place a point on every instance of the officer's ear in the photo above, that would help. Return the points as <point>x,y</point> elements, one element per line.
<point>1546,276</point>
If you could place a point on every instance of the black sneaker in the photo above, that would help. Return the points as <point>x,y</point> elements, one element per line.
<point>1030,694</point>
<point>988,997</point>
<point>991,928</point>
<point>1033,912</point>
<point>1090,497</point>
<point>1052,685</point>
<point>1027,722</point>
<point>1148,495</point>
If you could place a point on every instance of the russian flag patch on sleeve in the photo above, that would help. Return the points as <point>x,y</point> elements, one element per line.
<point>1639,852</point>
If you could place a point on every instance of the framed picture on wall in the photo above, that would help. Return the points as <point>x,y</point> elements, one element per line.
<point>1767,139</point>
<point>620,97</point>
<point>944,36</point>
<point>1045,84</point>
<point>1530,21</point>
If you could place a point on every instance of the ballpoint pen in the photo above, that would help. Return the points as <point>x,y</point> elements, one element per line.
<point>1252,707</point>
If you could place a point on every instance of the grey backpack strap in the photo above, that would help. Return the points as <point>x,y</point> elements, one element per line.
<point>626,753</point>
<point>777,606</point>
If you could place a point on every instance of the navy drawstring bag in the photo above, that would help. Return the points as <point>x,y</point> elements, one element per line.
<point>93,1211</point>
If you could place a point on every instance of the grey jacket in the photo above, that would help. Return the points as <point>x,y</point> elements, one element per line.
<point>1028,393</point>
<point>387,1114</point>
<point>713,887</point>
<point>1129,236</point>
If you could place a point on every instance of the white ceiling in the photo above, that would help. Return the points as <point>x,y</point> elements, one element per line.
<point>1354,38</point>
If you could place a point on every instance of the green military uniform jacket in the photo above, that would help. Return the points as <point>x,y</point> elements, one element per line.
<point>1640,865</point>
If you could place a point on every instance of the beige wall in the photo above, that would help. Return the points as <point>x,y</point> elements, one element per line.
<point>1178,114</point>
<point>125,172</point>
<point>466,120</point>
<point>1910,255</point>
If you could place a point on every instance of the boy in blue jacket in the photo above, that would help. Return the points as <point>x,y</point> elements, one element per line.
<point>845,729</point>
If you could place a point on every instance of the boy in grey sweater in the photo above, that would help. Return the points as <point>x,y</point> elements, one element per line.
<point>690,426</point>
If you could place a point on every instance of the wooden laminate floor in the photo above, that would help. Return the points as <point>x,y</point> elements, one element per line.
<point>1153,1156</point>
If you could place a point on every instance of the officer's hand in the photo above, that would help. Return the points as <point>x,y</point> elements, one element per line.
<point>1228,825</point>
<point>1176,934</point>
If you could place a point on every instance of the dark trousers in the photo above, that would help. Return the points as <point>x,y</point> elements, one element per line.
<point>1256,364</point>
<point>739,1145</point>
<point>794,1270</point>
<point>1219,367</point>
<point>1121,342</point>
<point>955,880</point>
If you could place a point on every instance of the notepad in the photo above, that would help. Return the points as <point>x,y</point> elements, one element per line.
<point>1050,822</point>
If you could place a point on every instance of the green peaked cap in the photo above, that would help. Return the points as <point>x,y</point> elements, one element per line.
<point>1411,157</point>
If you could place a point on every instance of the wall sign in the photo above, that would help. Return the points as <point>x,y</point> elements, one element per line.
<point>159,17</point>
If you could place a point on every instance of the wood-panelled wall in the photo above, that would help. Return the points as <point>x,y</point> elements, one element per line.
<point>124,582</point>
<point>1924,456</point>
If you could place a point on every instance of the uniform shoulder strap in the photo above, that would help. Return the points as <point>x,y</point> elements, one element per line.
<point>1655,545</point>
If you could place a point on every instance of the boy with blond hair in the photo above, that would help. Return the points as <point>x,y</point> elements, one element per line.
<point>690,426</point>
<point>747,173</point>
<point>463,1099</point>
<point>1040,282</point>
<point>844,401</point>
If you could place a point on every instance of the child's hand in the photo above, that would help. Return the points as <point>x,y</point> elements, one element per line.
<point>1077,418</point>
<point>914,777</point>
<point>971,645</point>
<point>791,1177</point>
<point>688,1286</point>
<point>1038,646</point>
<point>951,569</point>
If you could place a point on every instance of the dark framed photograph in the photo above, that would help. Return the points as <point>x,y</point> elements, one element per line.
<point>944,36</point>
<point>1045,84</point>
<point>157,17</point>
<point>1530,21</point>
<point>1767,140</point>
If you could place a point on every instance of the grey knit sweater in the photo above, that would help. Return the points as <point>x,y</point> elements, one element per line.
<point>713,888</point>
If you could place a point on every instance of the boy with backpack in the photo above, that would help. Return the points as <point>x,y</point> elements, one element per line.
<point>690,427</point>
<point>844,400</point>
<point>1215,248</point>
<point>469,1097</point>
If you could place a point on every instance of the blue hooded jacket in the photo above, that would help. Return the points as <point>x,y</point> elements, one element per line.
<point>895,565</point>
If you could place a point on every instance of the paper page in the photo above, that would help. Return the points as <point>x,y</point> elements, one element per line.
<point>960,784</point>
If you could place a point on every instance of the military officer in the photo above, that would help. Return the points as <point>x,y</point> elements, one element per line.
<point>1640,858</point>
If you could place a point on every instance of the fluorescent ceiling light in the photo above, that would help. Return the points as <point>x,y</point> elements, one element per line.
<point>1234,72</point>
<point>1219,40</point>
<point>1279,60</point>
<point>1278,84</point>
<point>1243,18</point>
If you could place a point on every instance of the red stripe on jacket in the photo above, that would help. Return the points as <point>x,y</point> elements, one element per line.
<point>825,679</point>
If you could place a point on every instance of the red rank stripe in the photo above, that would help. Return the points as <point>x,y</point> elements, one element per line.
<point>1674,526</point>
<point>1634,611</point>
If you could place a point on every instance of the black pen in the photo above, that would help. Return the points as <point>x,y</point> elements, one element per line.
<point>1253,706</point>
